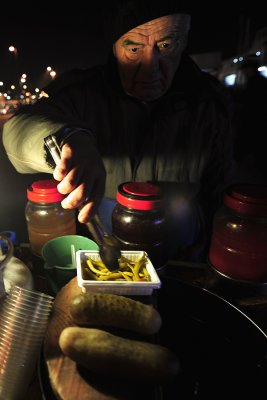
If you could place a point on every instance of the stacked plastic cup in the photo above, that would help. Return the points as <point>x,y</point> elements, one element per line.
<point>23,323</point>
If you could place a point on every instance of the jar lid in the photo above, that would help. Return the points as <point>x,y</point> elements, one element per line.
<point>139,195</point>
<point>247,198</point>
<point>44,191</point>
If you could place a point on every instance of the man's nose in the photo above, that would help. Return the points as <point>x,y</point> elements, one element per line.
<point>150,60</point>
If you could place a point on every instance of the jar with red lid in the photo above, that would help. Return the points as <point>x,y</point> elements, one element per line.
<point>138,220</point>
<point>239,239</point>
<point>46,218</point>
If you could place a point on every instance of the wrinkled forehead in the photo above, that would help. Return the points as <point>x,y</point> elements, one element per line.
<point>174,23</point>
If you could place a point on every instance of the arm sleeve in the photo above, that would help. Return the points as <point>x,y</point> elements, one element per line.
<point>23,140</point>
<point>60,114</point>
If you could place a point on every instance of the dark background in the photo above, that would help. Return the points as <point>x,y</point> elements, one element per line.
<point>73,38</point>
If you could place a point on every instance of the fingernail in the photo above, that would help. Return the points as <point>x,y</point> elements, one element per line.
<point>64,204</point>
<point>82,218</point>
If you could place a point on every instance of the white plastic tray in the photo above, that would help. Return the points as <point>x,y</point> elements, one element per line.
<point>116,287</point>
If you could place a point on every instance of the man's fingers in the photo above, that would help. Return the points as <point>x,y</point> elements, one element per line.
<point>59,173</point>
<point>71,181</point>
<point>64,166</point>
<point>82,179</point>
<point>86,212</point>
<point>76,197</point>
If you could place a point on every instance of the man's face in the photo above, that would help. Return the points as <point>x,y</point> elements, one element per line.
<point>149,55</point>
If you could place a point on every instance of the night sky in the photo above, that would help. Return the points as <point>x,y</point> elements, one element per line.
<point>74,39</point>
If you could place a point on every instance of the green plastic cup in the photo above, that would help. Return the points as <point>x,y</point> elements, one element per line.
<point>57,254</point>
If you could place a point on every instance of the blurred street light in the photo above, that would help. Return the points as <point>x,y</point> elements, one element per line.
<point>16,76</point>
<point>13,49</point>
<point>53,74</point>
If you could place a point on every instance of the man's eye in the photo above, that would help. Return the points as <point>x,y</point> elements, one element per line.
<point>164,45</point>
<point>133,52</point>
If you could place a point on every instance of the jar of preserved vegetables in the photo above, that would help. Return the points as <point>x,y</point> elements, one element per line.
<point>239,240</point>
<point>46,218</point>
<point>138,220</point>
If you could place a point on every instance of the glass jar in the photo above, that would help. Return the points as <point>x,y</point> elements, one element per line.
<point>46,218</point>
<point>239,240</point>
<point>138,220</point>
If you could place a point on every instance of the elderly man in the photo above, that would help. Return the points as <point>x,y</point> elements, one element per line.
<point>149,114</point>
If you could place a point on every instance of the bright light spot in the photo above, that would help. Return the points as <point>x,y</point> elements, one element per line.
<point>37,90</point>
<point>23,80</point>
<point>49,69</point>
<point>21,96</point>
<point>263,70</point>
<point>241,58</point>
<point>229,80</point>
<point>8,97</point>
<point>43,94</point>
<point>235,60</point>
<point>27,93</point>
<point>33,96</point>
<point>11,48</point>
<point>1,83</point>
<point>5,95</point>
<point>233,226</point>
<point>24,76</point>
<point>53,74</point>
<point>24,86</point>
<point>12,87</point>
<point>258,53</point>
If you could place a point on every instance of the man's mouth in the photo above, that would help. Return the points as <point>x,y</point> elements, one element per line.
<point>148,84</point>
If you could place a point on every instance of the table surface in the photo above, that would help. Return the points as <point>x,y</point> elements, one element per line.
<point>252,304</point>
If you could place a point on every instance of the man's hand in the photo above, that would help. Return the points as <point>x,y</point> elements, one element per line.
<point>82,175</point>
